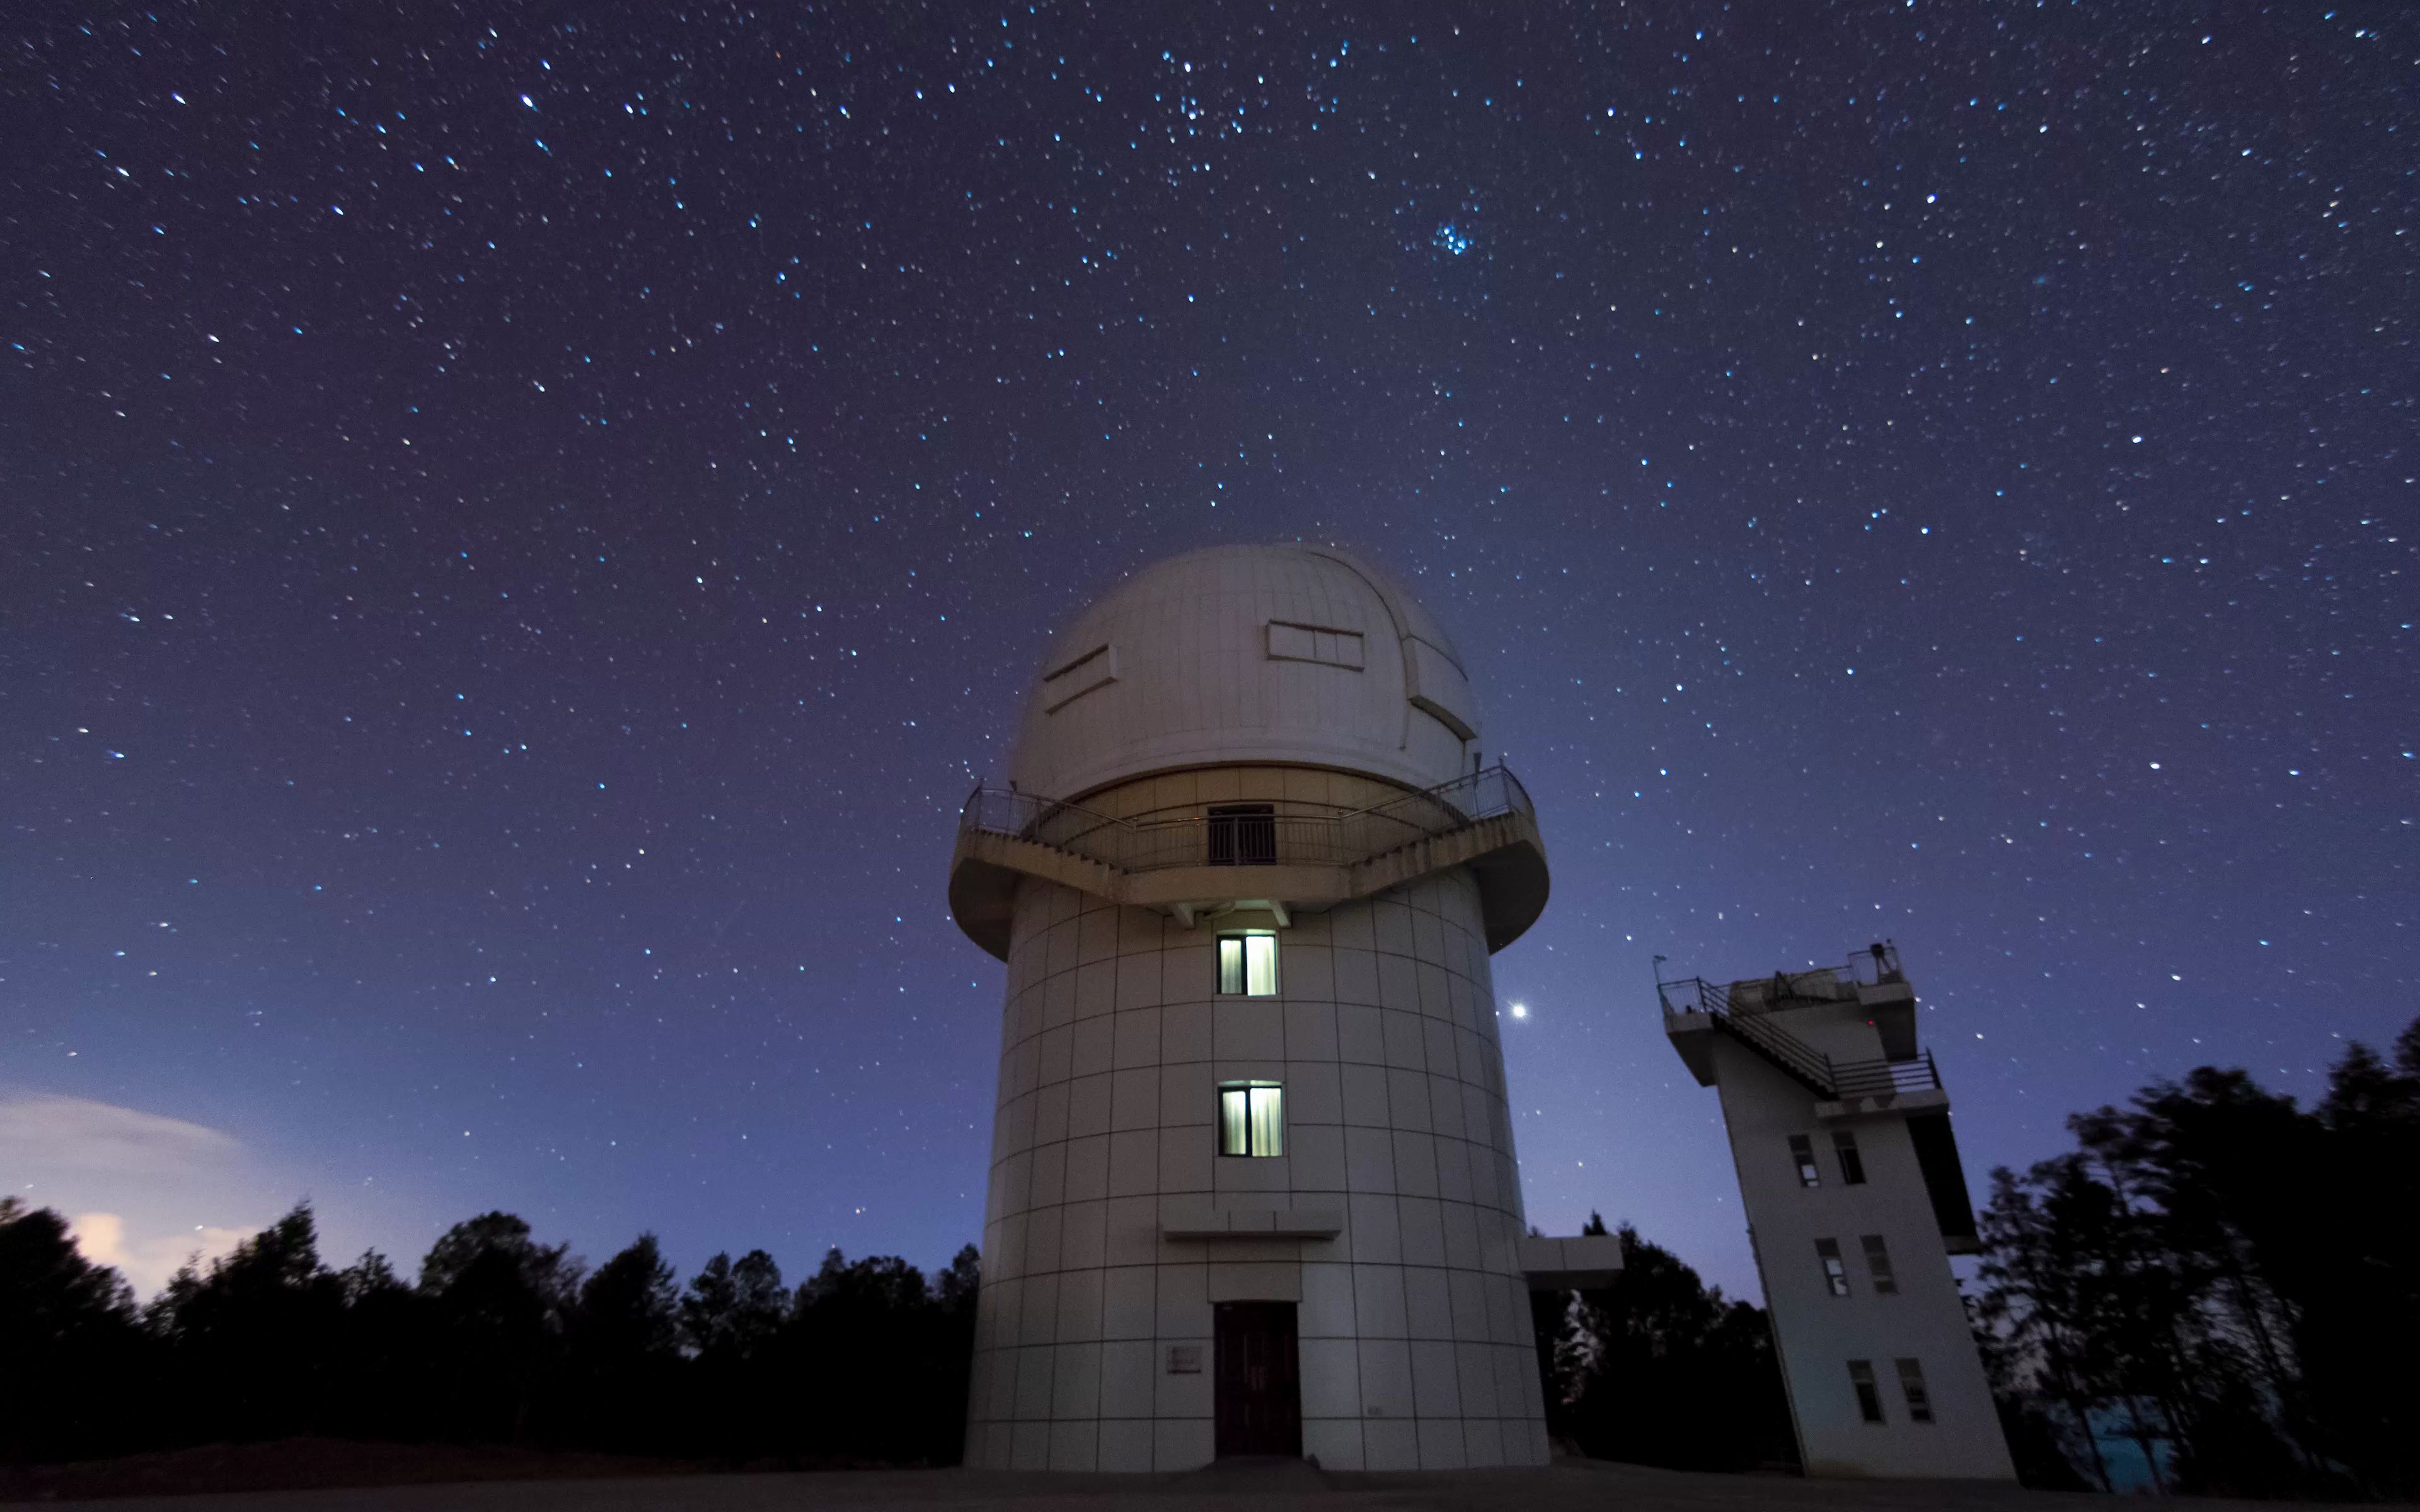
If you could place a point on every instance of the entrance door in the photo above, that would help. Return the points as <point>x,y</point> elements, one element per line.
<point>1259,1393</point>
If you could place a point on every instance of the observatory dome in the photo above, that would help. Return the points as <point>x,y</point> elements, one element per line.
<point>1296,655</point>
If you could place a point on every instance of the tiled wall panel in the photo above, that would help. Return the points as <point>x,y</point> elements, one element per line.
<point>1414,1324</point>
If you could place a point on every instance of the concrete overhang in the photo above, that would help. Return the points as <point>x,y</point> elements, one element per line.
<point>1693,1035</point>
<point>1200,1220</point>
<point>1581,1262</point>
<point>1917,1100</point>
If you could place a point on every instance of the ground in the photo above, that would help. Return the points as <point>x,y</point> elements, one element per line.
<point>1569,1486</point>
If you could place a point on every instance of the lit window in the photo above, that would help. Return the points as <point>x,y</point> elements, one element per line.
<point>1853,1165</point>
<point>1878,1263</point>
<point>1919,1401</point>
<point>1870,1396</point>
<point>1802,1151</point>
<point>1836,1272</point>
<point>1251,1118</point>
<point>1248,965</point>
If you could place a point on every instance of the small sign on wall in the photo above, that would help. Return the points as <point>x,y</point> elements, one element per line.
<point>1185,1359</point>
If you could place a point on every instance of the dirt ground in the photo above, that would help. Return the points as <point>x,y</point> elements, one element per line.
<point>313,1464</point>
<point>317,1476</point>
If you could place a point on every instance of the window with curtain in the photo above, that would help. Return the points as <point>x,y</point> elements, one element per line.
<point>1251,1118</point>
<point>1248,965</point>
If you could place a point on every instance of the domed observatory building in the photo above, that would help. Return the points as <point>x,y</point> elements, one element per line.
<point>1252,1186</point>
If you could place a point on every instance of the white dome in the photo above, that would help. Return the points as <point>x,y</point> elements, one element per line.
<point>1300,655</point>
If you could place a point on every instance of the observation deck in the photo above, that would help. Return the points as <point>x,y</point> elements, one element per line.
<point>1695,1006</point>
<point>1280,854</point>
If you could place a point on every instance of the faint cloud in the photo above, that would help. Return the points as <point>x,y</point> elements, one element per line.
<point>148,1262</point>
<point>141,1178</point>
<point>75,1133</point>
<point>101,1235</point>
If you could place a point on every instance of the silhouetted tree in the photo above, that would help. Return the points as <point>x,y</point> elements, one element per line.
<point>878,1362</point>
<point>956,1287</point>
<point>629,1307</point>
<point>2351,1281</point>
<point>1661,1370</point>
<point>73,1355</point>
<point>2225,1278</point>
<point>734,1310</point>
<point>251,1334</point>
<point>953,1353</point>
<point>622,1346</point>
<point>384,1385</point>
<point>2035,1310</point>
<point>499,1303</point>
<point>503,1337</point>
<point>731,1319</point>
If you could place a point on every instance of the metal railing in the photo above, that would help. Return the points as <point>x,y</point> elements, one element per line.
<point>1832,1080</point>
<point>1295,832</point>
<point>1871,1078</point>
<point>1873,966</point>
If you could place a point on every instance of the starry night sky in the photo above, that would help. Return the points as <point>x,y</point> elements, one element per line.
<point>522,527</point>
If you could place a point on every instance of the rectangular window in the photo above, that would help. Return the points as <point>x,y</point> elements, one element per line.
<point>1836,1272</point>
<point>1243,834</point>
<point>1802,1151</point>
<point>1879,1266</point>
<point>1853,1165</point>
<point>1096,668</point>
<point>1321,643</point>
<point>1251,1118</point>
<point>1248,965</point>
<point>1911,1382</point>
<point>1870,1396</point>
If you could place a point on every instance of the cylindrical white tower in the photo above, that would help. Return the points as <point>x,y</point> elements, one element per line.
<point>1253,1186</point>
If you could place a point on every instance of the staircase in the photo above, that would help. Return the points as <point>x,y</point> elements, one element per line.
<point>1831,1081</point>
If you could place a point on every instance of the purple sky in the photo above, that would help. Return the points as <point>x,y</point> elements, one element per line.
<point>518,543</point>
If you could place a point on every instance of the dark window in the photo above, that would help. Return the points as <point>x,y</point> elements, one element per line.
<point>1248,965</point>
<point>1251,1118</point>
<point>1802,1149</point>
<point>1919,1401</point>
<point>1878,1264</point>
<point>1836,1272</point>
<point>1853,1165</point>
<point>1870,1396</point>
<point>1243,834</point>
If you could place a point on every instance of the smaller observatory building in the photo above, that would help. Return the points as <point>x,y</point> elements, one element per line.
<point>1856,1199</point>
<point>1253,1186</point>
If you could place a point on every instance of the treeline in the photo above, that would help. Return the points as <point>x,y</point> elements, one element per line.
<point>2215,1279</point>
<point>2222,1281</point>
<point>500,1339</point>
